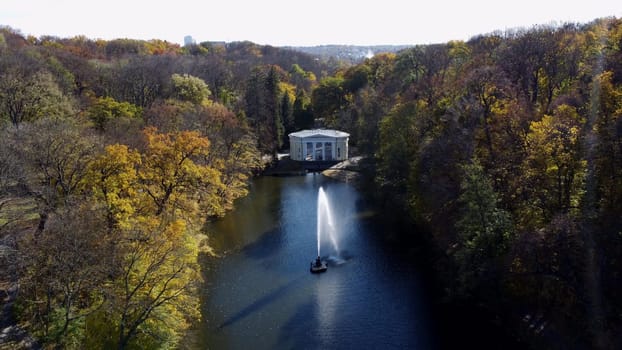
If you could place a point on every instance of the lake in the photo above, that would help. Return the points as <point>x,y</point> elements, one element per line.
<point>259,294</point>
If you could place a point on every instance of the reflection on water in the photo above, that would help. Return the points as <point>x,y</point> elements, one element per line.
<point>327,306</point>
<point>260,294</point>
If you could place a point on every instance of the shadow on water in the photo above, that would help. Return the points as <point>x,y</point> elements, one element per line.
<point>298,331</point>
<point>260,303</point>
<point>265,247</point>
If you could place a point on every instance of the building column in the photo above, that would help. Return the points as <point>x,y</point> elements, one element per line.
<point>304,150</point>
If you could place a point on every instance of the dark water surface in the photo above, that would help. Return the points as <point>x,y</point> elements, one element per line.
<point>260,294</point>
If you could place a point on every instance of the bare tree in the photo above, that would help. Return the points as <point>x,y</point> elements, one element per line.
<point>55,154</point>
<point>64,269</point>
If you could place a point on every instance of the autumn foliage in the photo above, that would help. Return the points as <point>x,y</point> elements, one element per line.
<point>109,171</point>
<point>503,152</point>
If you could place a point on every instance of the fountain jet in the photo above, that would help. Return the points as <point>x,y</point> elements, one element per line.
<point>325,224</point>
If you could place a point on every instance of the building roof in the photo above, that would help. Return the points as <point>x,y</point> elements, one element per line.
<point>319,133</point>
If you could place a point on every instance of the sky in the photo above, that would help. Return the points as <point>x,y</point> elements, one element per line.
<point>294,22</point>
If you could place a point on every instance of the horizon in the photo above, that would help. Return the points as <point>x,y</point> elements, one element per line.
<point>278,23</point>
<point>181,42</point>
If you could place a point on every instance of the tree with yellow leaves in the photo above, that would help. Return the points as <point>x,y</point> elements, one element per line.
<point>174,176</point>
<point>113,177</point>
<point>152,297</point>
<point>554,169</point>
<point>152,200</point>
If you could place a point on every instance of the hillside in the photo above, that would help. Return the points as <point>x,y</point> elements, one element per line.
<point>348,53</point>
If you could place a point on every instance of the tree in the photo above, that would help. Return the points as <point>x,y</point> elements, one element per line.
<point>153,202</point>
<point>26,96</point>
<point>55,154</point>
<point>63,272</point>
<point>601,209</point>
<point>262,107</point>
<point>609,143</point>
<point>522,60</point>
<point>483,229</point>
<point>173,179</point>
<point>9,163</point>
<point>119,265</point>
<point>560,64</point>
<point>553,168</point>
<point>141,80</point>
<point>273,113</point>
<point>105,109</point>
<point>287,114</point>
<point>300,78</point>
<point>302,113</point>
<point>547,270</point>
<point>3,45</point>
<point>152,297</point>
<point>328,99</point>
<point>170,115</point>
<point>398,134</point>
<point>409,66</point>
<point>189,88</point>
<point>112,178</point>
<point>370,109</point>
<point>124,47</point>
<point>233,150</point>
<point>487,87</point>
<point>356,78</point>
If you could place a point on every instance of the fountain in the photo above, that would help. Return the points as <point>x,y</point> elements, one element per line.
<point>325,225</point>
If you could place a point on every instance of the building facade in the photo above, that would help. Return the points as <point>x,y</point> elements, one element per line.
<point>318,145</point>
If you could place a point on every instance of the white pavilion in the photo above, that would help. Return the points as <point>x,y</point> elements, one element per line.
<point>318,145</point>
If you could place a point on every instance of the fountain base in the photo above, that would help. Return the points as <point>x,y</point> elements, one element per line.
<point>318,266</point>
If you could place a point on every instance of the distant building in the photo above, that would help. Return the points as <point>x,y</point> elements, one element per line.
<point>217,43</point>
<point>189,40</point>
<point>318,145</point>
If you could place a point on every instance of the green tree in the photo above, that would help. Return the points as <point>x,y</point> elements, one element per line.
<point>398,149</point>
<point>370,109</point>
<point>302,112</point>
<point>609,146</point>
<point>189,88</point>
<point>27,97</point>
<point>328,99</point>
<point>483,230</point>
<point>3,45</point>
<point>356,78</point>
<point>105,109</point>
<point>287,113</point>
<point>262,107</point>
<point>273,112</point>
<point>300,78</point>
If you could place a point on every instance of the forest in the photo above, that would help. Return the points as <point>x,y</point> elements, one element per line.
<point>503,153</point>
